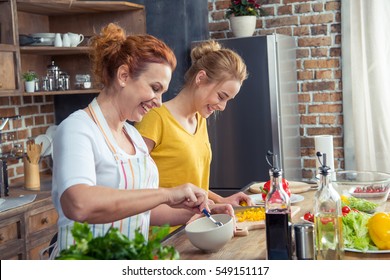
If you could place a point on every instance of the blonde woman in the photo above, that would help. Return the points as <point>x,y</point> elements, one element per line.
<point>176,133</point>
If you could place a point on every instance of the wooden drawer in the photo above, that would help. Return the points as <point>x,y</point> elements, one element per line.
<point>42,220</point>
<point>10,230</point>
<point>35,253</point>
<point>12,242</point>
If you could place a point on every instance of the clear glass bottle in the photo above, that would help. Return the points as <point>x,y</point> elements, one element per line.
<point>327,217</point>
<point>278,217</point>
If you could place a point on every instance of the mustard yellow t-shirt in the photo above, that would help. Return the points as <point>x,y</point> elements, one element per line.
<point>181,157</point>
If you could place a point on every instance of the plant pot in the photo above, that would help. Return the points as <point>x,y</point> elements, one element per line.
<point>29,86</point>
<point>243,26</point>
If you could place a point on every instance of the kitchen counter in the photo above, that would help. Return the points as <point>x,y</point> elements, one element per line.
<point>252,246</point>
<point>26,230</point>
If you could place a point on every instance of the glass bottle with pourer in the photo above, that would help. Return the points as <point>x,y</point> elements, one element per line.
<point>277,216</point>
<point>327,217</point>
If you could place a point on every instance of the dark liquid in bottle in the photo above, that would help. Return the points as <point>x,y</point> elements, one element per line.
<point>278,232</point>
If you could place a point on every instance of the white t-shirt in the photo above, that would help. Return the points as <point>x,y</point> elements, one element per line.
<point>81,156</point>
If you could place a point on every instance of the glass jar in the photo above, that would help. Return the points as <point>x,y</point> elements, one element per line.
<point>17,150</point>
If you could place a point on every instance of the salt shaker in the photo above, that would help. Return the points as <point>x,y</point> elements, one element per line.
<point>304,241</point>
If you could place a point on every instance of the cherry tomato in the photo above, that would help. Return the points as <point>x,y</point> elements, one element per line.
<point>309,217</point>
<point>346,209</point>
<point>267,187</point>
<point>324,221</point>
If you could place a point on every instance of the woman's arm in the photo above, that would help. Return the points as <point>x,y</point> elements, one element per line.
<point>100,204</point>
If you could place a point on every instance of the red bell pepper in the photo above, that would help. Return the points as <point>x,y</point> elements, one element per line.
<point>267,187</point>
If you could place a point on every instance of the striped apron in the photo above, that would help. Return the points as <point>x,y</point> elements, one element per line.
<point>135,172</point>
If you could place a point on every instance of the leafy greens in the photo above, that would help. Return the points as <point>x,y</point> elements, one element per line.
<point>355,231</point>
<point>116,246</point>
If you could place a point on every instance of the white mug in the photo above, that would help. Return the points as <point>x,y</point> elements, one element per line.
<point>65,40</point>
<point>75,39</point>
<point>58,40</point>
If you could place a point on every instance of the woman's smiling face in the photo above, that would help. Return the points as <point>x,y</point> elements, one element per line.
<point>214,96</point>
<point>144,93</point>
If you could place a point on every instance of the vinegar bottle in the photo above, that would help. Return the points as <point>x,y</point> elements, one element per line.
<point>327,217</point>
<point>278,217</point>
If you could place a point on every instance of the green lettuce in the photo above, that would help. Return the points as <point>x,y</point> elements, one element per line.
<point>355,231</point>
<point>361,204</point>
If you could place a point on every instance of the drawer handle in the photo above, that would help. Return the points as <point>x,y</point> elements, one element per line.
<point>45,220</point>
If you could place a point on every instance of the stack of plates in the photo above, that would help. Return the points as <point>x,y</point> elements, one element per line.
<point>47,39</point>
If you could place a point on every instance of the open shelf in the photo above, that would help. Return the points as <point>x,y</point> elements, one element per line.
<point>57,16</point>
<point>49,50</point>
<point>62,92</point>
<point>63,7</point>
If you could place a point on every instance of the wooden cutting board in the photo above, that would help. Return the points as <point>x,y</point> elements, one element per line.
<point>295,187</point>
<point>243,228</point>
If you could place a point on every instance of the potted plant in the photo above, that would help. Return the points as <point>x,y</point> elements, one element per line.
<point>242,15</point>
<point>29,79</point>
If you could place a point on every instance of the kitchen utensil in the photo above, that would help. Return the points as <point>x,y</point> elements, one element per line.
<point>45,141</point>
<point>58,40</point>
<point>46,39</point>
<point>207,237</point>
<point>371,186</point>
<point>25,40</point>
<point>65,40</point>
<point>34,153</point>
<point>208,215</point>
<point>75,39</point>
<point>53,72</point>
<point>32,179</point>
<point>304,241</point>
<point>51,131</point>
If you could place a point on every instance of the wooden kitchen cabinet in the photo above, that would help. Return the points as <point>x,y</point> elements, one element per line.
<point>26,230</point>
<point>56,16</point>
<point>9,52</point>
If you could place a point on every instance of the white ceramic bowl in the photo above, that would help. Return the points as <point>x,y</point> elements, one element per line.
<point>207,236</point>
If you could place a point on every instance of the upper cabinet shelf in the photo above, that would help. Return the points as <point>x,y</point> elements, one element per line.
<point>47,50</point>
<point>23,17</point>
<point>63,7</point>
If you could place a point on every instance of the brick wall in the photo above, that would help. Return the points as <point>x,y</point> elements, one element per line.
<point>37,114</point>
<point>316,27</point>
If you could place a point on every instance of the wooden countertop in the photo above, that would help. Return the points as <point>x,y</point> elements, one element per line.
<point>42,198</point>
<point>253,246</point>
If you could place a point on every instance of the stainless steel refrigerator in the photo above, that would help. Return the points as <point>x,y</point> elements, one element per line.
<point>263,116</point>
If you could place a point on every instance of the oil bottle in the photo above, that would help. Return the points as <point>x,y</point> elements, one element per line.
<point>277,216</point>
<point>327,217</point>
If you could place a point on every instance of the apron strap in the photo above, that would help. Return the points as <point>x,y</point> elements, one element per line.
<point>96,120</point>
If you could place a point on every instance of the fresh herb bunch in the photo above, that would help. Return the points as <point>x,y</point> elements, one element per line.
<point>116,246</point>
<point>244,8</point>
